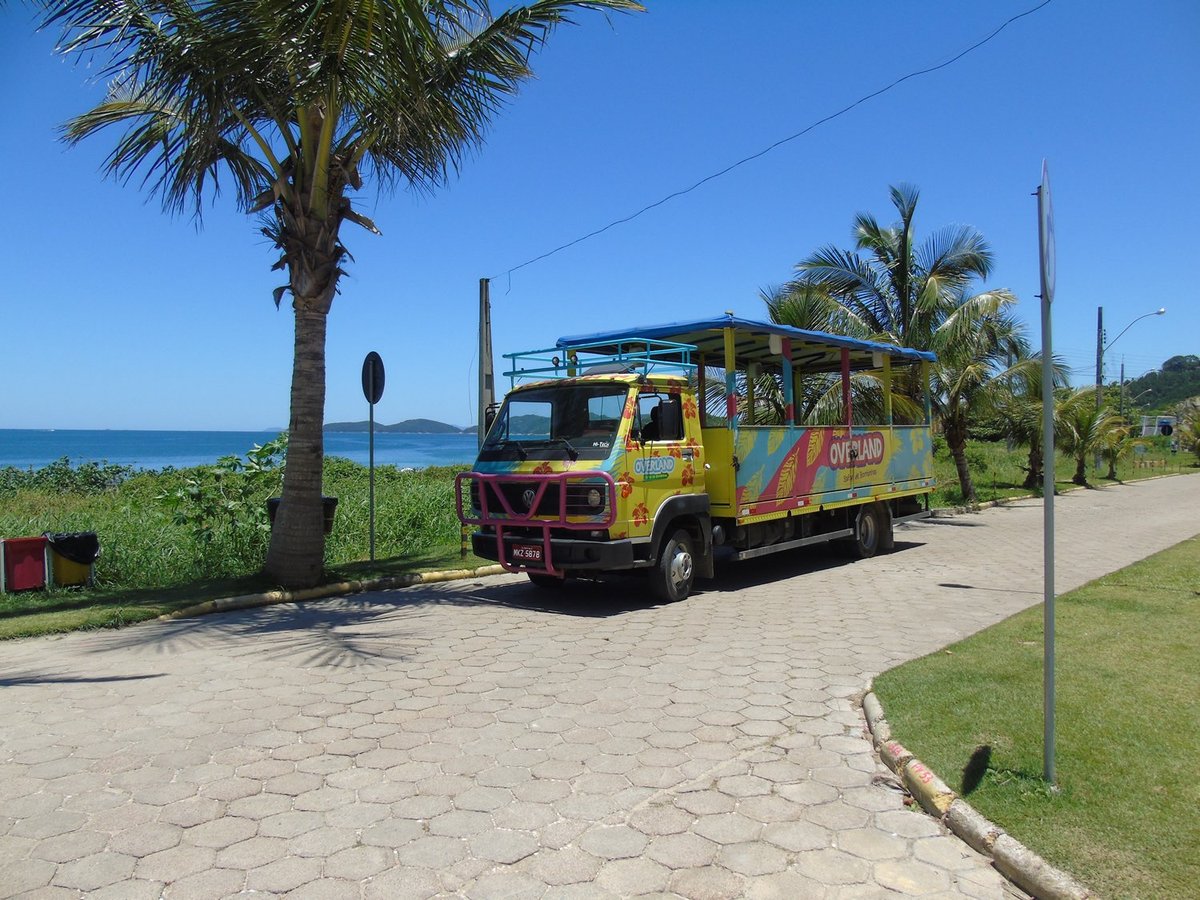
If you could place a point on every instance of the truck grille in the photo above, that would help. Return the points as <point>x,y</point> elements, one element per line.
<point>563,498</point>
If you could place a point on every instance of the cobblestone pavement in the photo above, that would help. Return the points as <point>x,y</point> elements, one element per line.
<point>487,739</point>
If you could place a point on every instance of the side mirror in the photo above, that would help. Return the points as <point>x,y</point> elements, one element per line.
<point>489,416</point>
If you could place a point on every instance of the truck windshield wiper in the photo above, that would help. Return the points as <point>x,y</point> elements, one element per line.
<point>572,453</point>
<point>509,442</point>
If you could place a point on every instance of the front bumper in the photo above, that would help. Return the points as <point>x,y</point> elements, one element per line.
<point>567,554</point>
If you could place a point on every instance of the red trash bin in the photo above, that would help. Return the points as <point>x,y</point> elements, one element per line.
<point>24,563</point>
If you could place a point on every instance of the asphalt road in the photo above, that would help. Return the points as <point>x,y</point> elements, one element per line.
<point>486,738</point>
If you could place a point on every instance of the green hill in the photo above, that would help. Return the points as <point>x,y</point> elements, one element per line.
<point>1176,381</point>
<point>408,426</point>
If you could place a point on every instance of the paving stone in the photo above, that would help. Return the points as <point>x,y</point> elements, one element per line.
<point>322,843</point>
<point>283,875</point>
<point>654,820</point>
<point>872,844</point>
<point>23,875</point>
<point>251,853</point>
<point>911,877</point>
<point>561,867</point>
<point>752,858</point>
<point>433,852</point>
<point>681,851</point>
<point>833,867</point>
<point>212,883</point>
<point>706,803</point>
<point>633,877</point>
<point>66,847</point>
<point>945,852</point>
<point>142,840</point>
<point>357,863</point>
<point>705,884</point>
<point>503,845</point>
<point>613,842</point>
<point>46,825</point>
<point>95,871</point>
<point>290,824</point>
<point>507,886</point>
<point>220,833</point>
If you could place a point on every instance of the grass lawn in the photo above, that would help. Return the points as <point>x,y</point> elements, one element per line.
<point>32,613</point>
<point>1124,820</point>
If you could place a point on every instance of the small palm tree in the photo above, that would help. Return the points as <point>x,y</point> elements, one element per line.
<point>1018,409</point>
<point>1118,446</point>
<point>297,104</point>
<point>1085,430</point>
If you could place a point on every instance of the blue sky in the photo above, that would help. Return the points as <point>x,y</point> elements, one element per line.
<point>116,315</point>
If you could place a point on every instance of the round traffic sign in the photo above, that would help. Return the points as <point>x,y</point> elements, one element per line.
<point>372,377</point>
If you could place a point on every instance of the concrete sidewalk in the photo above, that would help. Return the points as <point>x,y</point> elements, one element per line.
<point>488,739</point>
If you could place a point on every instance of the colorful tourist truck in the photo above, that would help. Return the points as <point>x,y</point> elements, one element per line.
<point>664,449</point>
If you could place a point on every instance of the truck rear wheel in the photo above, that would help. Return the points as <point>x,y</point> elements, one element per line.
<point>673,576</point>
<point>868,531</point>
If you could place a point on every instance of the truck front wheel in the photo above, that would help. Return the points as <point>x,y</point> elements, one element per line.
<point>672,577</point>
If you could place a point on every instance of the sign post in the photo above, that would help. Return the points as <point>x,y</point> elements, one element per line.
<point>372,383</point>
<point>1046,265</point>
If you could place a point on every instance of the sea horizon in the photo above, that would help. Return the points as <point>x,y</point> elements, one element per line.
<point>153,449</point>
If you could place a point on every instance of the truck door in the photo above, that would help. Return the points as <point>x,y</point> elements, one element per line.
<point>663,463</point>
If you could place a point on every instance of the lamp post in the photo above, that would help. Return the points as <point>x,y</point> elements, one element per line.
<point>1101,347</point>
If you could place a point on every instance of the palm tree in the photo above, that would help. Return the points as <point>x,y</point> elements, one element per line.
<point>1085,430</point>
<point>899,291</point>
<point>1018,409</point>
<point>297,103</point>
<point>981,347</point>
<point>891,289</point>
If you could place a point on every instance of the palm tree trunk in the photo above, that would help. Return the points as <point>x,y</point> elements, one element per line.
<point>297,553</point>
<point>958,451</point>
<point>1080,476</point>
<point>1034,477</point>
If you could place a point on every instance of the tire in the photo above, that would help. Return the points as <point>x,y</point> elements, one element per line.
<point>546,582</point>
<point>868,531</point>
<point>673,575</point>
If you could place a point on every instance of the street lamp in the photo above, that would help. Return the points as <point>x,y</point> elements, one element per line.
<point>1101,347</point>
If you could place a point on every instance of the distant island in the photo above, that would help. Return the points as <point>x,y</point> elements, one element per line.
<point>408,426</point>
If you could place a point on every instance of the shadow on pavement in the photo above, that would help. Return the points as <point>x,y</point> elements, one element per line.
<point>19,678</point>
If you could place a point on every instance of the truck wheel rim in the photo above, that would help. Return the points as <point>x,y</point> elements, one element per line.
<point>866,530</point>
<point>681,567</point>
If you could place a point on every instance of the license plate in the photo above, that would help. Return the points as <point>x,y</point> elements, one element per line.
<point>527,552</point>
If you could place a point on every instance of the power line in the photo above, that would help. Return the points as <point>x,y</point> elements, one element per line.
<point>778,143</point>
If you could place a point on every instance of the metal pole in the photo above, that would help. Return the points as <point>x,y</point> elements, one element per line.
<point>1048,523</point>
<point>371,464</point>
<point>1121,401</point>
<point>487,387</point>
<point>1099,369</point>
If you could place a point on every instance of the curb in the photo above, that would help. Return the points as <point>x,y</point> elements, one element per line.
<point>268,598</point>
<point>1012,859</point>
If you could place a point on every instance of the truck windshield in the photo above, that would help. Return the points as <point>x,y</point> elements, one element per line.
<point>576,421</point>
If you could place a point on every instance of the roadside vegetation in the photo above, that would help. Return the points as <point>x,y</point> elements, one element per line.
<point>1127,717</point>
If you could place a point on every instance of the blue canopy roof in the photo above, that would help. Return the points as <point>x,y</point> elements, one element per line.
<point>811,350</point>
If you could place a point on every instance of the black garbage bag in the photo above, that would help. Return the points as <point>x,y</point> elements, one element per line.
<point>81,547</point>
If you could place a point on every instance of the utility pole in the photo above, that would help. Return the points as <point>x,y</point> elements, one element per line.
<point>487,387</point>
<point>1099,370</point>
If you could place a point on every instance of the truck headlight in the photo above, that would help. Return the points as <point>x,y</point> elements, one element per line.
<point>595,498</point>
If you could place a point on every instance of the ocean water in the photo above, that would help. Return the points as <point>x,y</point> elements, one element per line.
<point>180,449</point>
